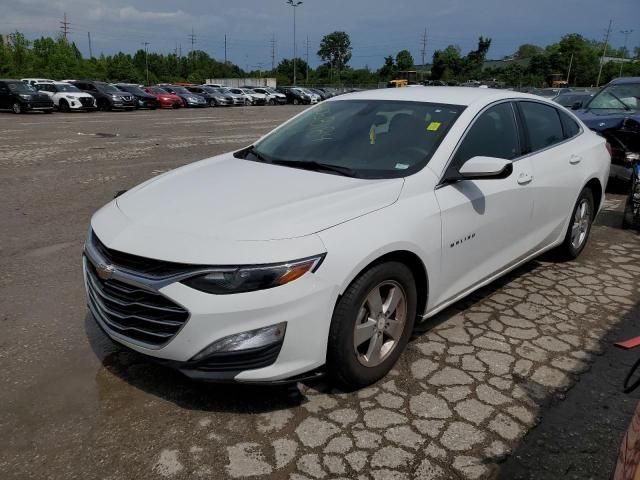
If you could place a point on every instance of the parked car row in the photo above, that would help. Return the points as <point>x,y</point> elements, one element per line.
<point>73,95</point>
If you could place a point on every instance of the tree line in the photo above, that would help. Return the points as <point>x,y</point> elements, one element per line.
<point>573,57</point>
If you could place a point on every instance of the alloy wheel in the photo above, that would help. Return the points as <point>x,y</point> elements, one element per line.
<point>581,222</point>
<point>380,323</point>
<point>17,108</point>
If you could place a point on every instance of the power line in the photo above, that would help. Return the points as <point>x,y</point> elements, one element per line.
<point>65,26</point>
<point>604,52</point>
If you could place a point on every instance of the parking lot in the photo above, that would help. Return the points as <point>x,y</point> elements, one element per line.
<point>473,381</point>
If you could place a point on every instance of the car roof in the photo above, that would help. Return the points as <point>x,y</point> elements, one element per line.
<point>617,81</point>
<point>447,95</point>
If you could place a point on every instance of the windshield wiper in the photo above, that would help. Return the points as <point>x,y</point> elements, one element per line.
<point>317,166</point>
<point>626,107</point>
<point>252,150</point>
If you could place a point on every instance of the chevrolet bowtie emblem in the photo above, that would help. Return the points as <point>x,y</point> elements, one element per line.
<point>105,272</point>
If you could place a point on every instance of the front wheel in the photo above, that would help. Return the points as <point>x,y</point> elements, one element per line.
<point>631,215</point>
<point>296,101</point>
<point>579,226</point>
<point>371,325</point>
<point>16,107</point>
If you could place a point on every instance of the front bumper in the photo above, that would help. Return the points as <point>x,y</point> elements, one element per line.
<point>305,306</point>
<point>38,106</point>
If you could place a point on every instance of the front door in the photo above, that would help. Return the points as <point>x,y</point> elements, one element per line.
<point>485,223</point>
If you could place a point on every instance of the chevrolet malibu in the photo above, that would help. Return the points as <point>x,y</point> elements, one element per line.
<point>317,248</point>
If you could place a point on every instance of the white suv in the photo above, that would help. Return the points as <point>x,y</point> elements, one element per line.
<point>318,247</point>
<point>67,97</point>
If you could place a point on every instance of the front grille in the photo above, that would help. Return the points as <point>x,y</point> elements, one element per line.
<point>142,315</point>
<point>86,102</point>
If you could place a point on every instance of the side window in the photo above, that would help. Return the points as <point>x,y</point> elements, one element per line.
<point>493,134</point>
<point>569,125</point>
<point>542,123</point>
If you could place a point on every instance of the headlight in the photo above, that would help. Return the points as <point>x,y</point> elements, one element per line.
<point>69,97</point>
<point>25,96</point>
<point>116,97</point>
<point>192,99</point>
<point>226,280</point>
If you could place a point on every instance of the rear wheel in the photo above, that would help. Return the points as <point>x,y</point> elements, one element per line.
<point>371,325</point>
<point>579,227</point>
<point>16,107</point>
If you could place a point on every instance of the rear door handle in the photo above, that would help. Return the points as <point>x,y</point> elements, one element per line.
<point>573,159</point>
<point>524,178</point>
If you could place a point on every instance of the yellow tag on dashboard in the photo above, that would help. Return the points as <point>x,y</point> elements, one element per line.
<point>372,136</point>
<point>433,126</point>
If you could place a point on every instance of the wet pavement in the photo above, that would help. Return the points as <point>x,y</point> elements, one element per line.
<point>474,380</point>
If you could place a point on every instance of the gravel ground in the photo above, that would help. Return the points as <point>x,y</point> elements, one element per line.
<point>474,380</point>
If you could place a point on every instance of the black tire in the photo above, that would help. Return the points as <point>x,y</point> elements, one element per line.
<point>344,366</point>
<point>63,106</point>
<point>104,106</point>
<point>272,102</point>
<point>568,250</point>
<point>17,107</point>
<point>296,101</point>
<point>49,111</point>
<point>629,219</point>
<point>212,103</point>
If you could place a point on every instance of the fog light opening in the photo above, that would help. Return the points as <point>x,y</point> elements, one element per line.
<point>251,339</point>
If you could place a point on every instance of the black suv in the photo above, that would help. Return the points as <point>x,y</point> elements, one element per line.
<point>295,95</point>
<point>22,97</point>
<point>144,99</point>
<point>107,96</point>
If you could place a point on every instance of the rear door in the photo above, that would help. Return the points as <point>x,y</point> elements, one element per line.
<point>485,223</point>
<point>555,156</point>
<point>5,96</point>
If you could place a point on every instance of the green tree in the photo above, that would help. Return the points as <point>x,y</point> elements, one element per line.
<point>388,70</point>
<point>335,49</point>
<point>404,60</point>
<point>447,63</point>
<point>528,50</point>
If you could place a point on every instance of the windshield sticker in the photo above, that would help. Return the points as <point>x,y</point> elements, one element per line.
<point>433,126</point>
<point>372,136</point>
<point>401,166</point>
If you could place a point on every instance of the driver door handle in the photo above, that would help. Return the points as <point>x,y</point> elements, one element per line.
<point>574,159</point>
<point>524,178</point>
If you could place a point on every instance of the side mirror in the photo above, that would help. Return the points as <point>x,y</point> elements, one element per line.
<point>477,168</point>
<point>577,105</point>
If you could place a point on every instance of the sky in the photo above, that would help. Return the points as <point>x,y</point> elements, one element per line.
<point>377,28</point>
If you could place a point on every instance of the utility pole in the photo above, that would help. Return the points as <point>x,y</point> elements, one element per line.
<point>307,80</point>
<point>64,26</point>
<point>295,4</point>
<point>604,52</point>
<point>146,60</point>
<point>225,48</point>
<point>424,46</point>
<point>626,34</point>
<point>273,51</point>
<point>569,72</point>
<point>90,51</point>
<point>193,42</point>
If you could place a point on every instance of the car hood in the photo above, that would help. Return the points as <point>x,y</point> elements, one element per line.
<point>601,122</point>
<point>234,199</point>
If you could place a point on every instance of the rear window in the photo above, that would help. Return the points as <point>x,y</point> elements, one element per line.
<point>543,125</point>
<point>569,125</point>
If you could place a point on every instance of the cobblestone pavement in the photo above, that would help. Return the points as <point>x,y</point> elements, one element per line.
<point>470,385</point>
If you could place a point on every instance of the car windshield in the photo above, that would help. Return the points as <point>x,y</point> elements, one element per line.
<point>270,90</point>
<point>363,138</point>
<point>106,88</point>
<point>209,89</point>
<point>181,90</point>
<point>66,87</point>
<point>625,96</point>
<point>226,91</point>
<point>21,87</point>
<point>158,91</point>
<point>132,89</point>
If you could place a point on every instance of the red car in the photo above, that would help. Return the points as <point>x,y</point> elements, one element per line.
<point>166,99</point>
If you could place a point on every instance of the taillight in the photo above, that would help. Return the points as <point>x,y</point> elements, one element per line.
<point>609,149</point>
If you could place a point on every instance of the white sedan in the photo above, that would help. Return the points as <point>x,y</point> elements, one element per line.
<point>316,249</point>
